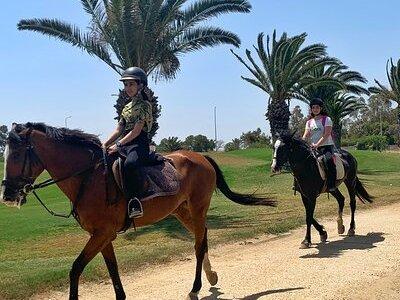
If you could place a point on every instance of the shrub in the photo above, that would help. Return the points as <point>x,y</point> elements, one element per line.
<point>372,142</point>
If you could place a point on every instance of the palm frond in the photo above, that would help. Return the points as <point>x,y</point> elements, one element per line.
<point>205,9</point>
<point>201,37</point>
<point>68,33</point>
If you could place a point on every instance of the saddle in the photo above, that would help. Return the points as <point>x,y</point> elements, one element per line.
<point>339,164</point>
<point>160,176</point>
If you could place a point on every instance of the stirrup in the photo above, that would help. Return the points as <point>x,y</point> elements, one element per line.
<point>135,208</point>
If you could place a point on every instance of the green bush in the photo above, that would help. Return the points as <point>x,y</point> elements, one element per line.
<point>372,142</point>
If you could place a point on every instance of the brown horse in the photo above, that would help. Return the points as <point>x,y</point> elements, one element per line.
<point>74,160</point>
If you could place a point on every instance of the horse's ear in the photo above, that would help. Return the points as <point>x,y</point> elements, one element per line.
<point>13,136</point>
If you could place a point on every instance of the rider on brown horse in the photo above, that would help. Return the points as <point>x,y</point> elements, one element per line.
<point>131,136</point>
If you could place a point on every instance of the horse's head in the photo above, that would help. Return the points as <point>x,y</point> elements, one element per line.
<point>21,166</point>
<point>282,150</point>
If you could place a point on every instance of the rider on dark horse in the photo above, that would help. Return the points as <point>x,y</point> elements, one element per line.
<point>319,131</point>
<point>131,136</point>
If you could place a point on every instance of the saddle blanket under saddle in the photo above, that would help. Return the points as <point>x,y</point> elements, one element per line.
<point>338,163</point>
<point>160,180</point>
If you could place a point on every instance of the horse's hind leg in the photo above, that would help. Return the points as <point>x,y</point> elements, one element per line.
<point>111,262</point>
<point>352,193</point>
<point>340,199</point>
<point>95,244</point>
<point>196,224</point>
<point>182,213</point>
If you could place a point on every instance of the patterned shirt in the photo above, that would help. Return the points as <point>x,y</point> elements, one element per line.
<point>137,110</point>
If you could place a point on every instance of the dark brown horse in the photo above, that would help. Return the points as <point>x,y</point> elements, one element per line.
<point>74,160</point>
<point>303,164</point>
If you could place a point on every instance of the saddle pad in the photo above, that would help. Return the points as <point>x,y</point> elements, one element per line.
<point>339,167</point>
<point>161,179</point>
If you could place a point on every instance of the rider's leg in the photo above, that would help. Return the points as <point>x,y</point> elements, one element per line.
<point>134,181</point>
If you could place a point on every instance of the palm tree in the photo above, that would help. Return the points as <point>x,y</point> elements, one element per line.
<point>285,70</point>
<point>340,95</point>
<point>338,108</point>
<point>170,144</point>
<point>150,34</point>
<point>392,93</point>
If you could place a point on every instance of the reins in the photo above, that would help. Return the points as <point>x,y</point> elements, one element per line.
<point>30,187</point>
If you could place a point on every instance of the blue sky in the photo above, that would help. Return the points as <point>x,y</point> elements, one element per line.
<point>44,80</point>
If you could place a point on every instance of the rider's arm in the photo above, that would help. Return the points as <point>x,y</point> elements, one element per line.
<point>306,134</point>
<point>133,133</point>
<point>307,131</point>
<point>117,132</point>
<point>327,133</point>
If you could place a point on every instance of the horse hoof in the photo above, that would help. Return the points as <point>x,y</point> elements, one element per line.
<point>351,232</point>
<point>340,229</point>
<point>212,278</point>
<point>323,237</point>
<point>192,296</point>
<point>305,245</point>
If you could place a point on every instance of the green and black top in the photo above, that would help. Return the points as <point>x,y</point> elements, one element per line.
<point>137,110</point>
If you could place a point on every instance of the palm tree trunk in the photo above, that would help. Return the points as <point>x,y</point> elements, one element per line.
<point>278,115</point>
<point>398,126</point>
<point>337,134</point>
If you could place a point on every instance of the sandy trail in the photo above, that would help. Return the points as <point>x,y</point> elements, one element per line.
<point>366,266</point>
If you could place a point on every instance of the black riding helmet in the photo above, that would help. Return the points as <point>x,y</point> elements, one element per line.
<point>317,101</point>
<point>134,73</point>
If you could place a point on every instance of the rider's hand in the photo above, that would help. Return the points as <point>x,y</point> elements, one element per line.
<point>314,146</point>
<point>112,149</point>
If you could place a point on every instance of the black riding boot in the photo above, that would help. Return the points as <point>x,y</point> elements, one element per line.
<point>331,172</point>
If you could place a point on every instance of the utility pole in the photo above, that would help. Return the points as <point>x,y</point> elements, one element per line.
<point>215,127</point>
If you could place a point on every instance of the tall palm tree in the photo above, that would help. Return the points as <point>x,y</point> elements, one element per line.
<point>393,92</point>
<point>338,108</point>
<point>340,96</point>
<point>284,71</point>
<point>150,34</point>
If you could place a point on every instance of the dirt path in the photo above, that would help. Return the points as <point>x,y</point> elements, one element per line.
<point>366,266</point>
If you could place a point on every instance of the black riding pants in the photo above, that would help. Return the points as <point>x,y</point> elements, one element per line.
<point>133,180</point>
<point>327,152</point>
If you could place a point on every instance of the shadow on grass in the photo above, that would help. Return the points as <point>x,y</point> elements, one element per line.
<point>172,228</point>
<point>216,293</point>
<point>357,242</point>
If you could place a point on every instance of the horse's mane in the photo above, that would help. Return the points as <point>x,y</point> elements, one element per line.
<point>296,140</point>
<point>69,136</point>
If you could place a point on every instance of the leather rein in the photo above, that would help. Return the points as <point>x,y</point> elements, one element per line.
<point>29,187</point>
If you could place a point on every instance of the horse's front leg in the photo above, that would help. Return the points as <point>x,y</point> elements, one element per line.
<point>309,205</point>
<point>111,262</point>
<point>95,244</point>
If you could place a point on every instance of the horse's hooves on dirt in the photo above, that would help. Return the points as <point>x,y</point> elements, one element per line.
<point>305,245</point>
<point>323,237</point>
<point>192,296</point>
<point>351,232</point>
<point>212,278</point>
<point>341,229</point>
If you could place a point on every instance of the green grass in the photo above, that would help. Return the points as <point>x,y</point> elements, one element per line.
<point>37,250</point>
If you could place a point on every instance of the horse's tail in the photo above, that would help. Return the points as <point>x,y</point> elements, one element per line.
<point>362,193</point>
<point>244,199</point>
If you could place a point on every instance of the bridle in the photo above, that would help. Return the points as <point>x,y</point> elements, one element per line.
<point>24,184</point>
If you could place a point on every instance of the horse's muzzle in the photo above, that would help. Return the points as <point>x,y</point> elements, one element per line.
<point>10,196</point>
